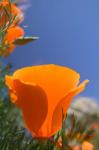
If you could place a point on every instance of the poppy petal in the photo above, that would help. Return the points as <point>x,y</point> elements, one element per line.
<point>63,106</point>
<point>9,83</point>
<point>33,101</point>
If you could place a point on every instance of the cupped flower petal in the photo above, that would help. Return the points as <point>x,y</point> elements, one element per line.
<point>61,108</point>
<point>9,83</point>
<point>33,101</point>
<point>28,87</point>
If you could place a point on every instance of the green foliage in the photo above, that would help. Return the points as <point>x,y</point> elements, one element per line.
<point>3,71</point>
<point>96,140</point>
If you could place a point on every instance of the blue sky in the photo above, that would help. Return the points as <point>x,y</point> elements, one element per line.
<point>69,35</point>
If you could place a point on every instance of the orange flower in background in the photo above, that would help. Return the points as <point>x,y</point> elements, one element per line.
<point>85,146</point>
<point>43,93</point>
<point>12,10</point>
<point>13,33</point>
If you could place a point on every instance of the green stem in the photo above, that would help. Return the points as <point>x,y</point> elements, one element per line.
<point>42,143</point>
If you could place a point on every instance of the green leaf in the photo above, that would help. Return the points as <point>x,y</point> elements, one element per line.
<point>25,40</point>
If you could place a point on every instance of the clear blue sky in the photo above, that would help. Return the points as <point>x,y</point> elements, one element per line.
<point>69,35</point>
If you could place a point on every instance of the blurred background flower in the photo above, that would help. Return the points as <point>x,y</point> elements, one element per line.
<point>82,106</point>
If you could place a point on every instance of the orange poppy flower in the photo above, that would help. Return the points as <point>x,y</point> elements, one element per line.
<point>11,9</point>
<point>43,93</point>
